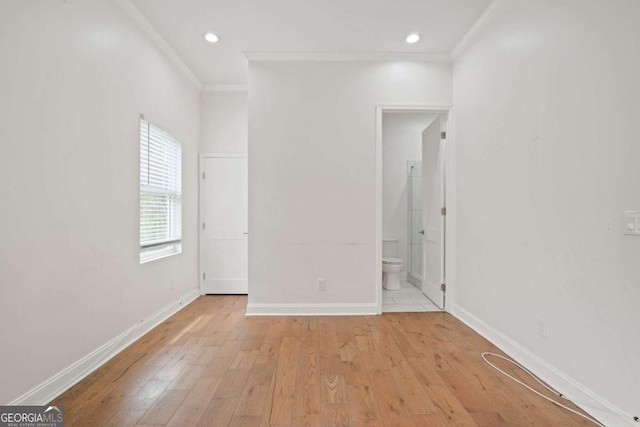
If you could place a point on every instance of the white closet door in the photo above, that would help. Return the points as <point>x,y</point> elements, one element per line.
<point>223,228</point>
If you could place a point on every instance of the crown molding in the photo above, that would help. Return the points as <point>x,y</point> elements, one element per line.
<point>225,88</point>
<point>347,56</point>
<point>475,28</point>
<point>153,34</point>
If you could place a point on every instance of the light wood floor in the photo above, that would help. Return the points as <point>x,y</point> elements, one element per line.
<point>209,365</point>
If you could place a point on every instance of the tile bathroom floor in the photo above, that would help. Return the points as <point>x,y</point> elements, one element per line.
<point>408,299</point>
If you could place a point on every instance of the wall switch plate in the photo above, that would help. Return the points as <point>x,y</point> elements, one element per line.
<point>631,223</point>
<point>321,285</point>
<point>543,328</point>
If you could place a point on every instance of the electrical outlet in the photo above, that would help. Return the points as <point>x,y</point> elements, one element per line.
<point>543,328</point>
<point>632,223</point>
<point>321,285</point>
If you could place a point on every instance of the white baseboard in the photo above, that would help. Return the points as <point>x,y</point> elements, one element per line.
<point>224,286</point>
<point>610,415</point>
<point>311,309</point>
<point>414,281</point>
<point>71,375</point>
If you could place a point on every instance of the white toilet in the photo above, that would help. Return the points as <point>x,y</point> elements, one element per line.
<point>391,266</point>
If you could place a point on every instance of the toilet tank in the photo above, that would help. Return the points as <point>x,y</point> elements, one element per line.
<point>390,247</point>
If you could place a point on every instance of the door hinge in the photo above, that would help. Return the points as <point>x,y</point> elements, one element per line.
<point>443,211</point>
<point>202,175</point>
<point>204,276</point>
<point>443,287</point>
<point>443,135</point>
<point>203,226</point>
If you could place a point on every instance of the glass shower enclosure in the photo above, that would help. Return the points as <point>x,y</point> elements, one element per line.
<point>414,222</point>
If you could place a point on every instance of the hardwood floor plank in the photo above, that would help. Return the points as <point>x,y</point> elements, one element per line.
<point>392,406</point>
<point>172,370</point>
<point>285,382</point>
<point>489,419</point>
<point>219,412</point>
<point>261,374</point>
<point>363,405</point>
<point>205,355</point>
<point>218,367</point>
<point>194,405</point>
<point>123,418</point>
<point>233,383</point>
<point>146,395</point>
<point>256,337</point>
<point>424,371</point>
<point>187,378</point>
<point>472,400</point>
<point>252,401</point>
<point>365,343</point>
<point>373,423</point>
<point>269,351</point>
<point>308,421</point>
<point>244,421</point>
<point>265,420</point>
<point>481,377</point>
<point>401,337</point>
<point>275,331</point>
<point>354,372</point>
<point>375,361</point>
<point>448,406</point>
<point>334,389</point>
<point>336,414</point>
<point>434,420</point>
<point>245,359</point>
<point>100,413</point>
<point>216,338</point>
<point>387,349</point>
<point>414,395</point>
<point>164,408</point>
<point>308,400</point>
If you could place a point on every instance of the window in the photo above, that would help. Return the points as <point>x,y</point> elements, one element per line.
<point>160,193</point>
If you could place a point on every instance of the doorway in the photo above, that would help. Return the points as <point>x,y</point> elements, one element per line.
<point>223,224</point>
<point>414,139</point>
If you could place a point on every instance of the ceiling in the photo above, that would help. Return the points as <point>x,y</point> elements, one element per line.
<point>334,26</point>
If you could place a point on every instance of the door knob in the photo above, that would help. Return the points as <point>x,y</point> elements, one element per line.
<point>421,232</point>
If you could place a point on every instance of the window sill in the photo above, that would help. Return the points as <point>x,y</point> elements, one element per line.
<point>161,253</point>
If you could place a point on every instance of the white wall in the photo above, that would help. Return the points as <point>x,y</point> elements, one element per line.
<point>224,122</point>
<point>75,77</point>
<point>312,182</point>
<point>401,141</point>
<point>546,99</point>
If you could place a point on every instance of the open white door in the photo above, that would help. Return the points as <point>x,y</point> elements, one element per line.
<point>223,225</point>
<point>433,161</point>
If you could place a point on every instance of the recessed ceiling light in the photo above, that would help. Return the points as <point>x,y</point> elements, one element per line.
<point>212,38</point>
<point>413,38</point>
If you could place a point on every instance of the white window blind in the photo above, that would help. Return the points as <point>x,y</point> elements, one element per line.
<point>160,193</point>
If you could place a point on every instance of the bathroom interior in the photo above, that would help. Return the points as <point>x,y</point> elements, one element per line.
<point>404,210</point>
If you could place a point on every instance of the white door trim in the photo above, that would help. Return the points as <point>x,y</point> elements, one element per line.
<point>201,158</point>
<point>450,173</point>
